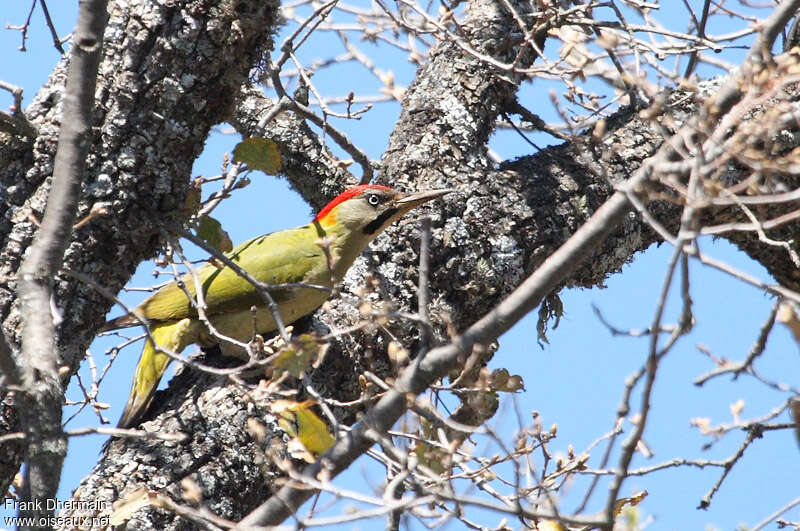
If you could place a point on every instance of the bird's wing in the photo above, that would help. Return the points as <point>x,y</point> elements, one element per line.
<point>280,257</point>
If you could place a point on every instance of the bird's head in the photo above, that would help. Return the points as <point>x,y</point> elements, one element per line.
<point>369,208</point>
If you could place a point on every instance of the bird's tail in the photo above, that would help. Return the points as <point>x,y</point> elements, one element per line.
<point>152,364</point>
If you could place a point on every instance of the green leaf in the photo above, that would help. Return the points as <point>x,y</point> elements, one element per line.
<point>297,419</point>
<point>259,154</point>
<point>210,231</point>
<point>501,380</point>
<point>431,457</point>
<point>193,199</point>
<point>298,356</point>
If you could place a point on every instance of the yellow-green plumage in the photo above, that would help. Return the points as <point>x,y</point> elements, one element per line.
<point>277,258</point>
<point>152,365</point>
<point>319,254</point>
<point>290,256</point>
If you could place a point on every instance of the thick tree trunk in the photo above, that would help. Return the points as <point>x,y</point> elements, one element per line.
<point>171,71</point>
<point>487,236</point>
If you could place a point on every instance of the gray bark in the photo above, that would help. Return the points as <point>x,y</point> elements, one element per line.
<point>41,394</point>
<point>170,71</point>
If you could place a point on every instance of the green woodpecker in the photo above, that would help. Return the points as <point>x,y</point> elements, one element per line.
<point>319,253</point>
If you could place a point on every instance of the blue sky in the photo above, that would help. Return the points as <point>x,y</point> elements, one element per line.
<point>576,380</point>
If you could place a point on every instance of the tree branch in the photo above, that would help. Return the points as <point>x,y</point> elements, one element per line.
<point>440,140</point>
<point>163,62</point>
<point>309,166</point>
<point>427,369</point>
<point>555,269</point>
<point>42,392</point>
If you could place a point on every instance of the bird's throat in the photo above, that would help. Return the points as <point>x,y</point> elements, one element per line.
<point>374,226</point>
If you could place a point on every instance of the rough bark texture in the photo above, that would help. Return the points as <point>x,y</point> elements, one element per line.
<point>172,70</point>
<point>310,168</point>
<point>499,225</point>
<point>42,395</point>
<point>487,236</point>
<point>221,455</point>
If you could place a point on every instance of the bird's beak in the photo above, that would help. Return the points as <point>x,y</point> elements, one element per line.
<point>414,200</point>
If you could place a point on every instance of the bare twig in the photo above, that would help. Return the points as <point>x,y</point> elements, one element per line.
<point>230,174</point>
<point>424,276</point>
<point>15,122</point>
<point>128,433</point>
<point>762,524</point>
<point>198,301</point>
<point>56,40</point>
<point>700,26</point>
<point>261,288</point>
<point>755,350</point>
<point>752,435</point>
<point>341,138</point>
<point>424,371</point>
<point>23,29</point>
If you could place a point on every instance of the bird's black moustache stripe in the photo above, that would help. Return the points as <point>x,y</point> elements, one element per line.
<point>373,226</point>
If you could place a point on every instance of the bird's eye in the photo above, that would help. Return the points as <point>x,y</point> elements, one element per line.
<point>373,200</point>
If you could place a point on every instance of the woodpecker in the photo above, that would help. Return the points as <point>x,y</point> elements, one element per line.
<point>319,253</point>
